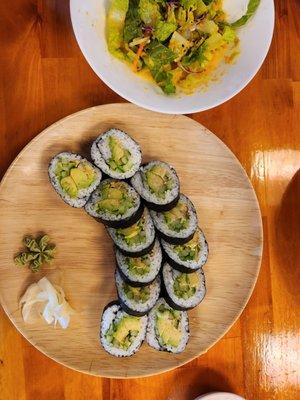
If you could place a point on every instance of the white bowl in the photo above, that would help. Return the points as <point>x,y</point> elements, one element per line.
<point>219,396</point>
<point>88,19</point>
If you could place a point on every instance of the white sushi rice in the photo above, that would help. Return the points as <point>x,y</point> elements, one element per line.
<point>152,338</point>
<point>114,313</point>
<point>138,306</point>
<point>83,194</point>
<point>169,276</point>
<point>155,258</point>
<point>191,264</point>
<point>101,153</point>
<point>96,196</point>
<point>150,235</point>
<point>143,189</point>
<point>161,225</point>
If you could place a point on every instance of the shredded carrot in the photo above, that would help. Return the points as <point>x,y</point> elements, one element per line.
<point>138,55</point>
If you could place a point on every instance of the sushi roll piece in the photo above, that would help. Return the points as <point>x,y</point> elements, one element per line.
<point>158,184</point>
<point>183,291</point>
<point>168,329</point>
<point>178,225</point>
<point>187,257</point>
<point>140,271</point>
<point>135,300</point>
<point>115,204</point>
<point>121,334</point>
<point>116,154</point>
<point>136,240</point>
<point>73,178</point>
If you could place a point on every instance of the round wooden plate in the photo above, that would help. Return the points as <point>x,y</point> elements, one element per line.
<point>84,265</point>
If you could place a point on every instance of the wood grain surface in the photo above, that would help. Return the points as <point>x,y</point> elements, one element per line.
<point>43,77</point>
<point>84,266</point>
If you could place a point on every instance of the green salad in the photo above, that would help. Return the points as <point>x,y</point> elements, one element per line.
<point>176,43</point>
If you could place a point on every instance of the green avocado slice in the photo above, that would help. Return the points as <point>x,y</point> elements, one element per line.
<point>120,157</point>
<point>135,234</point>
<point>167,325</point>
<point>186,285</point>
<point>138,265</point>
<point>80,178</point>
<point>178,217</point>
<point>137,294</point>
<point>158,180</point>
<point>114,198</point>
<point>69,186</point>
<point>74,175</point>
<point>190,250</point>
<point>122,333</point>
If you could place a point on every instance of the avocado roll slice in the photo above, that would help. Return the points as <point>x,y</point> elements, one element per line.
<point>136,240</point>
<point>115,203</point>
<point>178,225</point>
<point>187,257</point>
<point>121,334</point>
<point>73,178</point>
<point>116,154</point>
<point>183,291</point>
<point>139,271</point>
<point>158,184</point>
<point>168,329</point>
<point>136,300</point>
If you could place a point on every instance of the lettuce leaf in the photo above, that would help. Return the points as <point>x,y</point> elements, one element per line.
<point>171,17</point>
<point>149,12</point>
<point>160,57</point>
<point>160,54</point>
<point>164,80</point>
<point>132,28</point>
<point>115,26</point>
<point>197,55</point>
<point>195,5</point>
<point>252,7</point>
<point>179,45</point>
<point>229,34</point>
<point>214,41</point>
<point>164,29</point>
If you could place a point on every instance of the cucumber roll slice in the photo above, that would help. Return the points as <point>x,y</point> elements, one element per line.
<point>168,329</point>
<point>187,257</point>
<point>73,178</point>
<point>135,300</point>
<point>115,203</point>
<point>116,154</point>
<point>178,225</point>
<point>183,291</point>
<point>121,334</point>
<point>139,271</point>
<point>136,240</point>
<point>158,184</point>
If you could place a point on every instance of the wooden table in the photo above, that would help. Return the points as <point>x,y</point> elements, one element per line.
<point>44,77</point>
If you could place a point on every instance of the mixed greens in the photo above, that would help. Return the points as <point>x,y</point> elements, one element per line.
<point>159,180</point>
<point>177,218</point>
<point>120,156</point>
<point>139,265</point>
<point>179,42</point>
<point>190,250</point>
<point>137,294</point>
<point>122,333</point>
<point>135,234</point>
<point>186,285</point>
<point>74,175</point>
<point>167,326</point>
<point>115,198</point>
